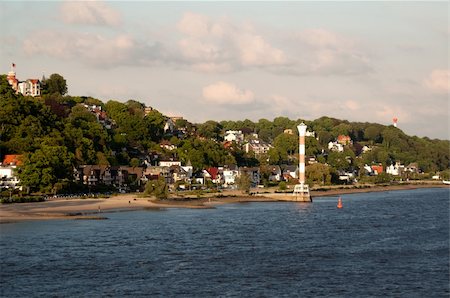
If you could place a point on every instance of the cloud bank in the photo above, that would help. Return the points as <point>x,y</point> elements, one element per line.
<point>226,93</point>
<point>90,13</point>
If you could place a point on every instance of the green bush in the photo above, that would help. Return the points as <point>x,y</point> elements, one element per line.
<point>157,188</point>
<point>282,185</point>
<point>28,199</point>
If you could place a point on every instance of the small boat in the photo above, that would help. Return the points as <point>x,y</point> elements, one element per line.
<point>446,181</point>
<point>339,204</point>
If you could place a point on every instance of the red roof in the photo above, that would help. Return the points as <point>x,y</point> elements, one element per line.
<point>12,159</point>
<point>378,169</point>
<point>213,172</point>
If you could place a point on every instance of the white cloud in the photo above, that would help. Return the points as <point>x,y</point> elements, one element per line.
<point>226,93</point>
<point>254,50</point>
<point>224,46</point>
<point>438,81</point>
<point>92,49</point>
<point>325,52</point>
<point>89,12</point>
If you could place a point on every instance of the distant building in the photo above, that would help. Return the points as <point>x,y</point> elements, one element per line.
<point>234,136</point>
<point>257,146</point>
<point>335,146</point>
<point>344,140</point>
<point>396,169</point>
<point>30,87</point>
<point>8,175</point>
<point>169,163</point>
<point>377,169</point>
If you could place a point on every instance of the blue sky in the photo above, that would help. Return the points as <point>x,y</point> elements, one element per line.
<point>361,61</point>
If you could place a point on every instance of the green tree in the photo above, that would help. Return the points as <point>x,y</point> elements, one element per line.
<point>157,188</point>
<point>54,84</point>
<point>210,130</point>
<point>318,173</point>
<point>45,167</point>
<point>243,182</point>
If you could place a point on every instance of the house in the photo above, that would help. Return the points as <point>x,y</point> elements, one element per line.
<point>234,136</point>
<point>212,174</point>
<point>189,169</point>
<point>147,110</point>
<point>253,173</point>
<point>396,169</point>
<point>346,176</point>
<point>229,174</point>
<point>335,146</point>
<point>289,172</point>
<point>413,167</point>
<point>288,131</point>
<point>377,169</point>
<point>30,87</point>
<point>8,176</point>
<point>154,172</point>
<point>311,160</point>
<point>257,146</point>
<point>366,148</point>
<point>344,140</point>
<point>165,144</point>
<point>178,174</point>
<point>117,176</point>
<point>169,126</point>
<point>168,163</point>
<point>310,134</point>
<point>275,173</point>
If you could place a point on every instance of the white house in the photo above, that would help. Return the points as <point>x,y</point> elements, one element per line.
<point>229,174</point>
<point>8,179</point>
<point>366,149</point>
<point>169,163</point>
<point>30,87</point>
<point>335,146</point>
<point>396,169</point>
<point>234,135</point>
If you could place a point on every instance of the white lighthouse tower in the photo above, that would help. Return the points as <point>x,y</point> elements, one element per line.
<point>301,190</point>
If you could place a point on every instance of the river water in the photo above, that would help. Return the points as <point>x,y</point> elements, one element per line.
<point>380,244</point>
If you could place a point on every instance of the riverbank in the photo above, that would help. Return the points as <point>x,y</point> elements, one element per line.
<point>98,208</point>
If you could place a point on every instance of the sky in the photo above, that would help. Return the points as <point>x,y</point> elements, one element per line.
<point>359,61</point>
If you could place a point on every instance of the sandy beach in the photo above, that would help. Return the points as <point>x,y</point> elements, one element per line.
<point>91,208</point>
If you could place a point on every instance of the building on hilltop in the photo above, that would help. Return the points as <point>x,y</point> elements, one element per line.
<point>30,87</point>
<point>234,135</point>
<point>344,140</point>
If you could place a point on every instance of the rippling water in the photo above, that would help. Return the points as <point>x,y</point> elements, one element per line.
<point>379,244</point>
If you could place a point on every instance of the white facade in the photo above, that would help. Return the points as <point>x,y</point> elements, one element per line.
<point>8,179</point>
<point>335,146</point>
<point>396,169</point>
<point>229,176</point>
<point>234,136</point>
<point>30,88</point>
<point>169,163</point>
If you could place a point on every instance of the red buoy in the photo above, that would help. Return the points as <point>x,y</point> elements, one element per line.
<point>339,204</point>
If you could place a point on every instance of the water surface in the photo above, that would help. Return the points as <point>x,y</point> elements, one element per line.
<point>380,244</point>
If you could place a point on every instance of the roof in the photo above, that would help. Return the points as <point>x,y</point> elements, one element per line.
<point>213,172</point>
<point>12,159</point>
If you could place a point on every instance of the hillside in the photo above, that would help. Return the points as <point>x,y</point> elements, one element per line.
<point>57,132</point>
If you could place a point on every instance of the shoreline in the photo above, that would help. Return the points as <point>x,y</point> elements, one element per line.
<point>97,209</point>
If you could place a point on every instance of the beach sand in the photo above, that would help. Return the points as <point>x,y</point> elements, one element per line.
<point>91,208</point>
